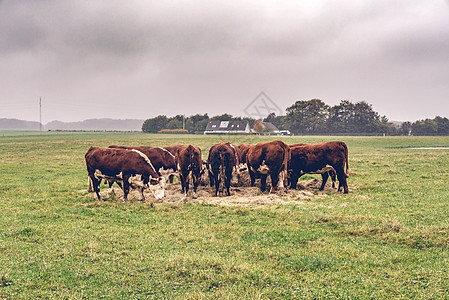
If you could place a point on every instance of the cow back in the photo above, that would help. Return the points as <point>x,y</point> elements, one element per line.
<point>312,157</point>
<point>275,155</point>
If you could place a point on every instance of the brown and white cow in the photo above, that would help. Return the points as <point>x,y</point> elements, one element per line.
<point>325,172</point>
<point>314,157</point>
<point>130,168</point>
<point>268,158</point>
<point>222,160</point>
<point>189,164</point>
<point>160,158</point>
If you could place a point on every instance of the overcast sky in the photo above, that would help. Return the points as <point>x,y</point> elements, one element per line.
<point>138,59</point>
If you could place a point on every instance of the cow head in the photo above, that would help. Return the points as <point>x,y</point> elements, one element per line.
<point>263,168</point>
<point>157,187</point>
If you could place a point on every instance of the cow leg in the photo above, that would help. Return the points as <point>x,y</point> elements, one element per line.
<point>183,183</point>
<point>333,177</point>
<point>89,185</point>
<point>211,178</point>
<point>125,188</point>
<point>111,187</point>
<point>324,176</point>
<point>217,184</point>
<point>252,176</point>
<point>96,187</point>
<point>228,183</point>
<point>141,195</point>
<point>293,181</point>
<point>186,184</point>
<point>342,183</point>
<point>263,182</point>
<point>196,182</point>
<point>274,181</point>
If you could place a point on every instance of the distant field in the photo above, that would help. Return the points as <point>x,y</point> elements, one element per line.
<point>387,238</point>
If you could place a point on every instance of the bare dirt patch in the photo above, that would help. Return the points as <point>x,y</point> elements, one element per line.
<point>241,194</point>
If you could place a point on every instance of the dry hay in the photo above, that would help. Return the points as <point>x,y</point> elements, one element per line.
<point>241,194</point>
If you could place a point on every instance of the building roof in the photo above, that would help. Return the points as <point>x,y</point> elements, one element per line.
<point>270,126</point>
<point>226,126</point>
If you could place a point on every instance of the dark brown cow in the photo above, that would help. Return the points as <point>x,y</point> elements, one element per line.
<point>325,173</point>
<point>243,150</point>
<point>189,163</point>
<point>313,157</point>
<point>222,160</point>
<point>131,168</point>
<point>268,158</point>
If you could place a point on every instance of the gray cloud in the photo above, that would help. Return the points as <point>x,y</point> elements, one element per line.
<point>154,57</point>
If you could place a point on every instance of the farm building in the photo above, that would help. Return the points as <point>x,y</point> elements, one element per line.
<point>270,128</point>
<point>225,127</point>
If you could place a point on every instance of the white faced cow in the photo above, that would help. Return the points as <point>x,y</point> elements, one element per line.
<point>129,168</point>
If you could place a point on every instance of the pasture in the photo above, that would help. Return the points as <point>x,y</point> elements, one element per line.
<point>387,238</point>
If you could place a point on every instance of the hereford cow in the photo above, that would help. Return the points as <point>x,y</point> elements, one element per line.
<point>130,168</point>
<point>313,157</point>
<point>222,160</point>
<point>268,158</point>
<point>189,164</point>
<point>325,173</point>
<point>161,159</point>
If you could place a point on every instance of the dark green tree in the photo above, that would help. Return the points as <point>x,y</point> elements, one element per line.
<point>425,127</point>
<point>155,124</point>
<point>307,116</point>
<point>174,123</point>
<point>196,123</point>
<point>406,128</point>
<point>223,117</point>
<point>365,119</point>
<point>340,117</point>
<point>442,125</point>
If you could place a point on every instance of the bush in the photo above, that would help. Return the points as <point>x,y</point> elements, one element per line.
<point>173,131</point>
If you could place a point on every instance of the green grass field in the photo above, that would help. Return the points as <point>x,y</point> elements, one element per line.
<point>387,238</point>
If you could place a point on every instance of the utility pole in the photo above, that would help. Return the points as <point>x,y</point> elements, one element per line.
<point>40,114</point>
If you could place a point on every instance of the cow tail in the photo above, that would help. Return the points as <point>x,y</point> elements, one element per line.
<point>286,158</point>
<point>222,164</point>
<point>346,159</point>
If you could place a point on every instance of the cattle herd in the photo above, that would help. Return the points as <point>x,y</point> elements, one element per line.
<point>147,167</point>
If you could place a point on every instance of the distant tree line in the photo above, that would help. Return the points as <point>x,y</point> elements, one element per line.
<point>194,124</point>
<point>313,117</point>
